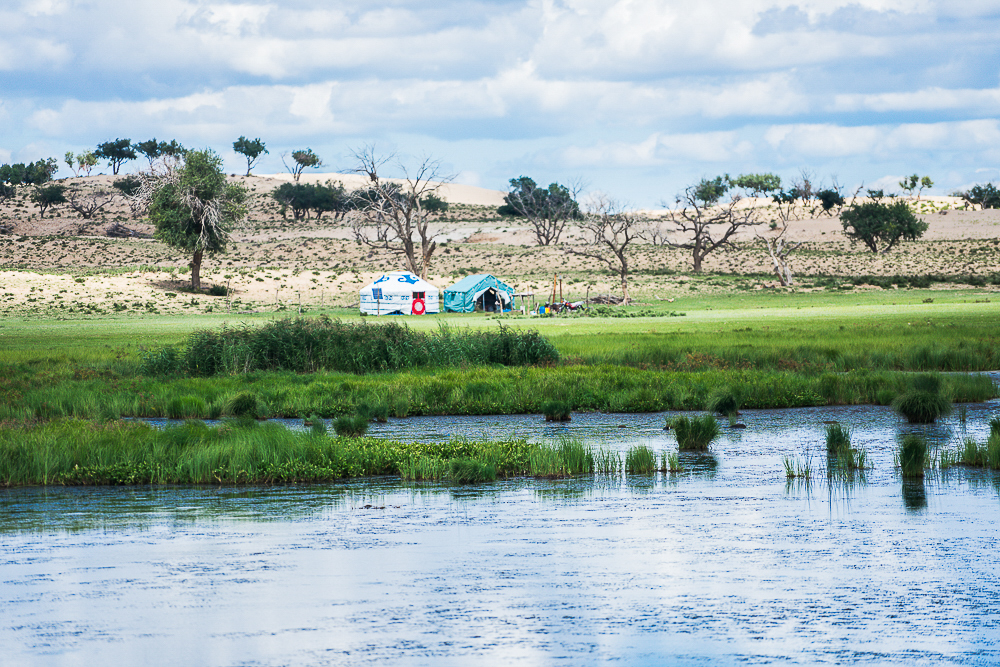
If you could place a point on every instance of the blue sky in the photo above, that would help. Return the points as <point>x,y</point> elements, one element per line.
<point>635,98</point>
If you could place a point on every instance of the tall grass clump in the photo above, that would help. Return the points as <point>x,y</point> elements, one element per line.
<point>837,437</point>
<point>912,454</point>
<point>924,402</point>
<point>424,469</point>
<point>305,345</point>
<point>471,471</point>
<point>695,433</point>
<point>557,411</point>
<point>796,467</point>
<point>351,426</point>
<point>670,462</point>
<point>723,401</point>
<point>244,404</point>
<point>607,462</point>
<point>640,460</point>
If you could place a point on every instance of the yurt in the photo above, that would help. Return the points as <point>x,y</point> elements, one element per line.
<point>400,293</point>
<point>487,292</point>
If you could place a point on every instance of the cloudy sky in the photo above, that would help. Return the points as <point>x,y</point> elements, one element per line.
<point>636,98</point>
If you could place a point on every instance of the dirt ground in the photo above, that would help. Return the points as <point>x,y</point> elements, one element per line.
<point>63,265</point>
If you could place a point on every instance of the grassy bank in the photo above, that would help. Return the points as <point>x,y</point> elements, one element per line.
<point>78,452</point>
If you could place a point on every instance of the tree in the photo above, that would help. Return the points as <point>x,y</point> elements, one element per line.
<point>880,226</point>
<point>831,199</point>
<point>397,216</point>
<point>47,196</point>
<point>612,229</point>
<point>709,192</point>
<point>705,227</point>
<point>116,152</point>
<point>914,182</point>
<point>295,196</point>
<point>300,161</point>
<point>250,149</point>
<point>150,148</point>
<point>757,185</point>
<point>780,250</point>
<point>546,210</point>
<point>986,196</point>
<point>194,208</point>
<point>33,173</point>
<point>88,203</point>
<point>131,189</point>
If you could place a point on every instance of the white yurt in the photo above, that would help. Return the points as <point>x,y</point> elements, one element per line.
<point>400,293</point>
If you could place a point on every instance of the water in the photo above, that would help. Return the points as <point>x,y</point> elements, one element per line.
<point>725,563</point>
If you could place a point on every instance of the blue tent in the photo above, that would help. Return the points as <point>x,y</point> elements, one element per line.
<point>482,289</point>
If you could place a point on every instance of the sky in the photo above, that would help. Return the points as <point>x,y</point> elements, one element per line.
<point>637,99</point>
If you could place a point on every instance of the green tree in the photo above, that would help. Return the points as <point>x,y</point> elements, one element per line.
<point>301,160</point>
<point>116,152</point>
<point>548,210</point>
<point>757,185</point>
<point>251,149</point>
<point>150,148</point>
<point>915,182</point>
<point>48,196</point>
<point>194,208</point>
<point>987,196</point>
<point>880,226</point>
<point>709,192</point>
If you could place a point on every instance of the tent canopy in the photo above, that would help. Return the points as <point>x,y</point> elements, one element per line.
<point>462,296</point>
<point>396,293</point>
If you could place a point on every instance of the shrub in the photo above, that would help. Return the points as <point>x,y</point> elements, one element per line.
<point>696,433</point>
<point>924,403</point>
<point>162,361</point>
<point>218,290</point>
<point>723,401</point>
<point>912,452</point>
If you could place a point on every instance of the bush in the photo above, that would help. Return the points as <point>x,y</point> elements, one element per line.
<point>218,290</point>
<point>924,403</point>
<point>912,453</point>
<point>696,433</point>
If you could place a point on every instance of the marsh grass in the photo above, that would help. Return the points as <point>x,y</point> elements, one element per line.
<point>670,461</point>
<point>640,460</point>
<point>557,411</point>
<point>797,468</point>
<point>465,470</point>
<point>985,455</point>
<point>925,402</point>
<point>240,451</point>
<point>695,433</point>
<point>351,426</point>
<point>723,401</point>
<point>912,456</point>
<point>568,456</point>
<point>607,463</point>
<point>837,437</point>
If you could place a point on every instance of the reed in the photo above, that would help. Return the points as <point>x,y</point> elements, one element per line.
<point>470,471</point>
<point>557,411</point>
<point>912,455</point>
<point>695,433</point>
<point>424,469</point>
<point>723,401</point>
<point>837,438</point>
<point>351,426</point>
<point>640,460</point>
<point>670,462</point>
<point>796,467</point>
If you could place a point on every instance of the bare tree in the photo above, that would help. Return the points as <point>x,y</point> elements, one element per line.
<point>780,249</point>
<point>703,227</point>
<point>547,210</point>
<point>396,216</point>
<point>612,228</point>
<point>88,203</point>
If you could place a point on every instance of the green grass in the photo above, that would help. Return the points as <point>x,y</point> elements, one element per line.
<point>76,452</point>
<point>912,456</point>
<point>640,460</point>
<point>924,402</point>
<point>695,433</point>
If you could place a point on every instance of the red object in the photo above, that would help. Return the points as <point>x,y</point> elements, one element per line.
<point>418,307</point>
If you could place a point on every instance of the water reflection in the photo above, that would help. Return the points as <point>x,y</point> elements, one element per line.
<point>914,494</point>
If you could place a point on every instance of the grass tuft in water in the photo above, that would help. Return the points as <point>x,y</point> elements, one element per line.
<point>912,455</point>
<point>724,401</point>
<point>695,433</point>
<point>796,467</point>
<point>607,462</point>
<point>471,471</point>
<point>837,437</point>
<point>925,402</point>
<point>670,461</point>
<point>557,411</point>
<point>640,460</point>
<point>351,426</point>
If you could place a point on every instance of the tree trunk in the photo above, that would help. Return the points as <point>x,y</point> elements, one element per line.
<point>697,261</point>
<point>196,270</point>
<point>625,297</point>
